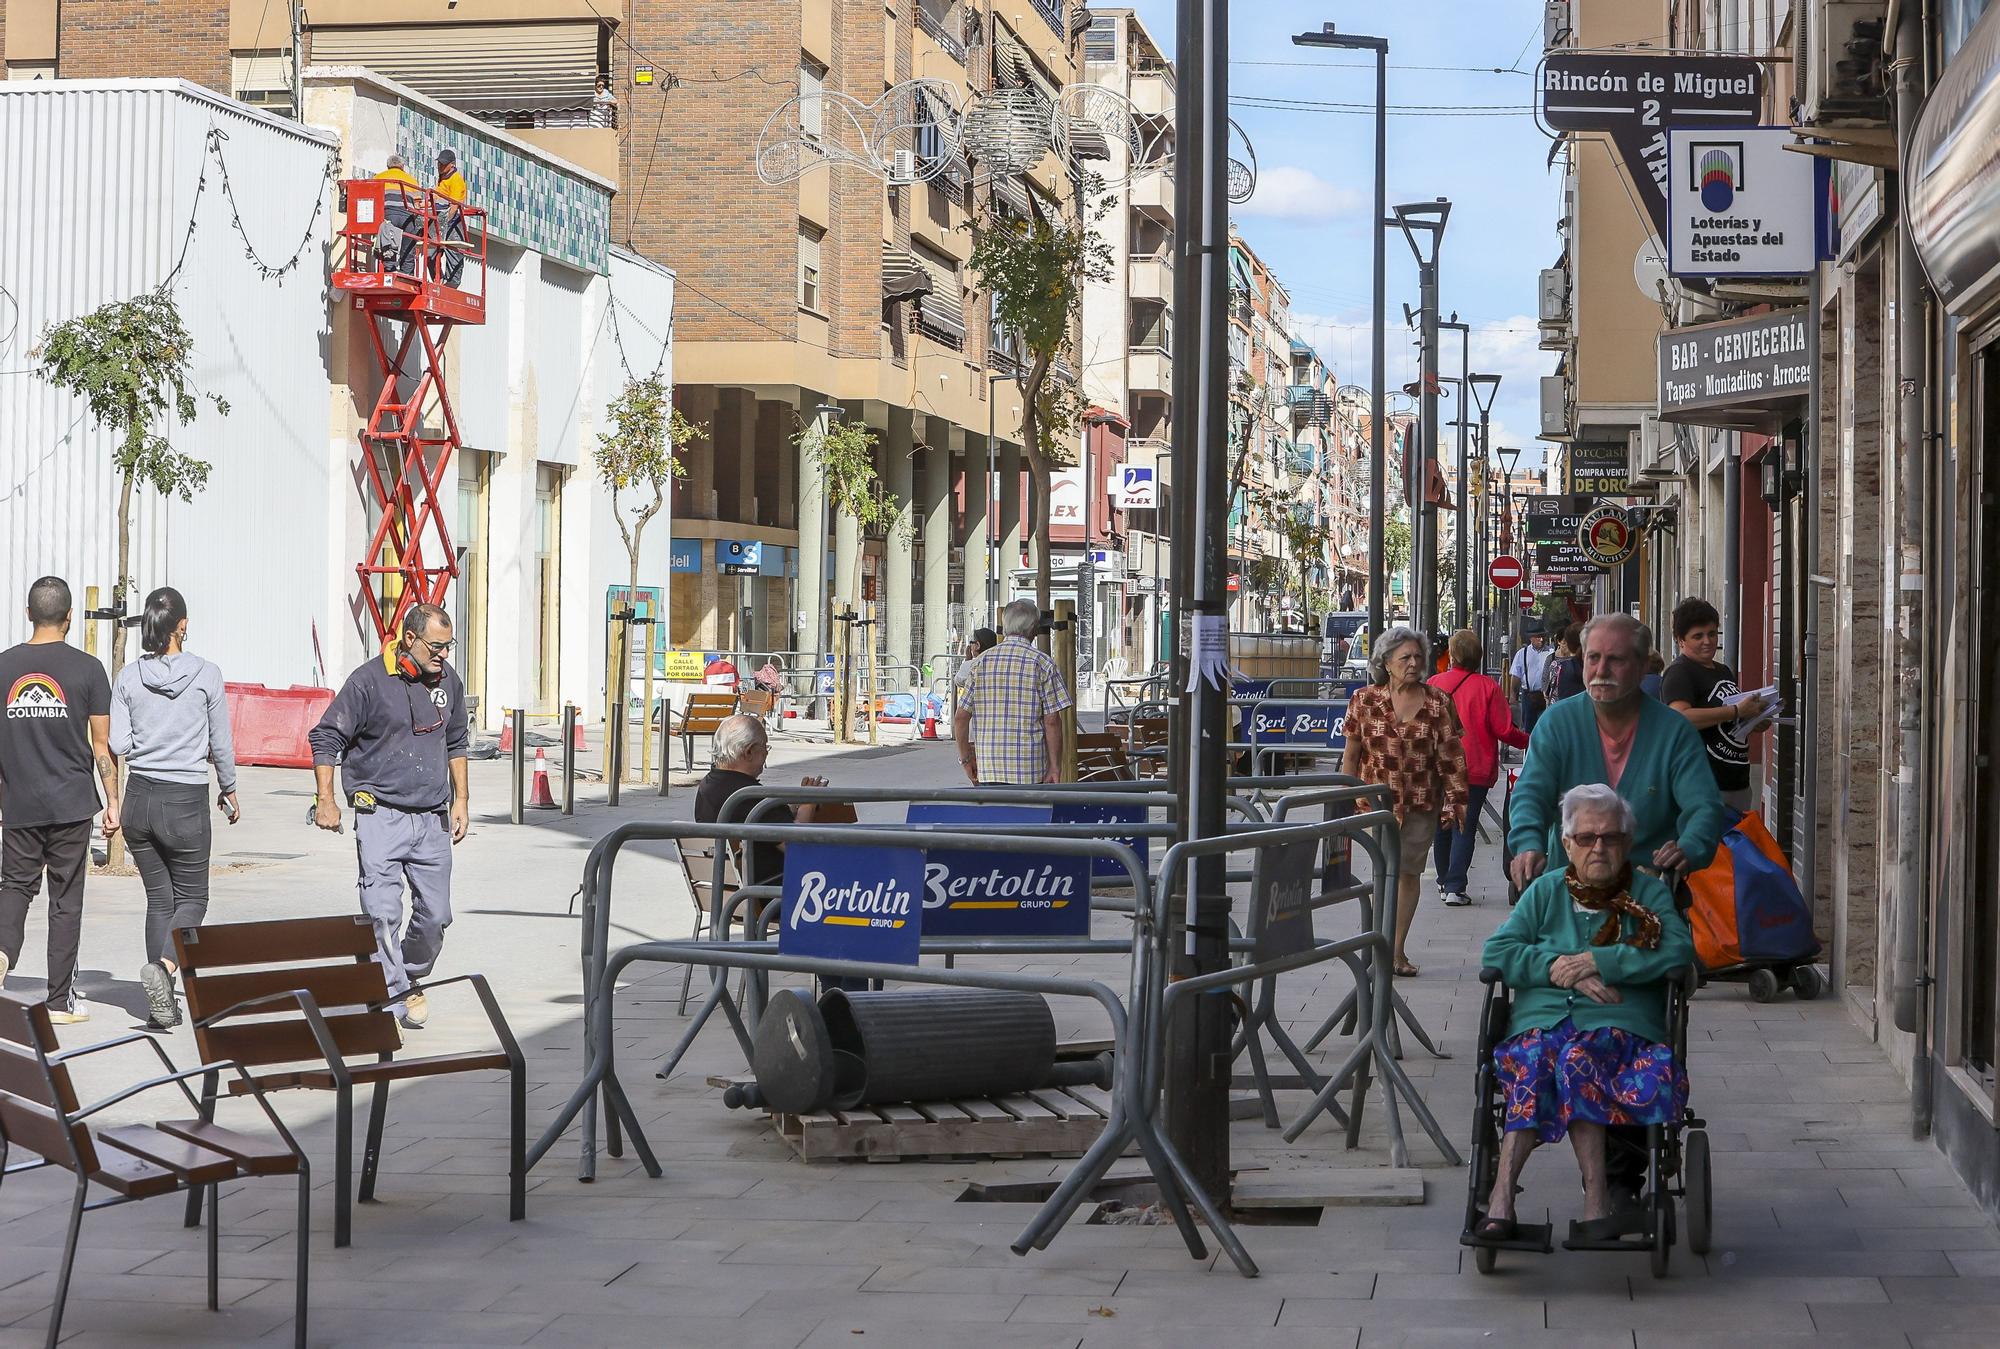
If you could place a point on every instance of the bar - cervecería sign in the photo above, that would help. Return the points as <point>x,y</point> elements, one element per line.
<point>1751,373</point>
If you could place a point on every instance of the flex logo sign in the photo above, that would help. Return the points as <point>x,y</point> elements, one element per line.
<point>845,903</point>
<point>1010,892</point>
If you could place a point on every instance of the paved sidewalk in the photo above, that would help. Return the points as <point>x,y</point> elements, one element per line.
<point>1833,1227</point>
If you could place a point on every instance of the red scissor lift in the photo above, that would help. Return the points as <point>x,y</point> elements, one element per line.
<point>420,271</point>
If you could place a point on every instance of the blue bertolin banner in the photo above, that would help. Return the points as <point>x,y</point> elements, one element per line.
<point>849,903</point>
<point>1315,724</point>
<point>1070,812</point>
<point>1014,892</point>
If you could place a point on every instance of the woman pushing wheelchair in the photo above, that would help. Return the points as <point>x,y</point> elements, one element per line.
<point>1587,954</point>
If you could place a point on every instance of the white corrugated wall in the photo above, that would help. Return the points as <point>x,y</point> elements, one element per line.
<point>103,182</point>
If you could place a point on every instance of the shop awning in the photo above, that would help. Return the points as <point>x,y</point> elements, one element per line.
<point>490,67</point>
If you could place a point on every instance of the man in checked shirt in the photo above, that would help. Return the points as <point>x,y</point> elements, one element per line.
<point>1012,708</point>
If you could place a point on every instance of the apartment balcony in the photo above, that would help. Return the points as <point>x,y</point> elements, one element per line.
<point>950,43</point>
<point>1153,92</point>
<point>1154,194</point>
<point>1150,370</point>
<point>1152,277</point>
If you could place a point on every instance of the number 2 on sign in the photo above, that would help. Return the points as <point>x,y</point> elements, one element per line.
<point>1649,111</point>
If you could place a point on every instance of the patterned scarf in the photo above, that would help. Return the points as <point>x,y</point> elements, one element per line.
<point>1617,897</point>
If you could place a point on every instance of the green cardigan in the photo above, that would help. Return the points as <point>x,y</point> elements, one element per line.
<point>1667,782</point>
<point>1544,925</point>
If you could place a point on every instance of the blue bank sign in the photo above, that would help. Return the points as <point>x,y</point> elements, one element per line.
<point>846,903</point>
<point>1010,892</point>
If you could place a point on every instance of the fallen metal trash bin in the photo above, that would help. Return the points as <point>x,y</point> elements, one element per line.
<point>855,1048</point>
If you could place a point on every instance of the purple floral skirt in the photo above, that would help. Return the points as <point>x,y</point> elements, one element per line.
<point>1604,1076</point>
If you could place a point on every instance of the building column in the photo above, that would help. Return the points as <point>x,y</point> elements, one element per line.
<point>898,564</point>
<point>1011,530</point>
<point>978,530</point>
<point>810,598</point>
<point>701,404</point>
<point>735,462</point>
<point>937,539</point>
<point>774,432</point>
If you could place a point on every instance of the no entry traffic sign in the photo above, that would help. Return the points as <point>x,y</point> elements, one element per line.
<point>1527,602</point>
<point>1505,572</point>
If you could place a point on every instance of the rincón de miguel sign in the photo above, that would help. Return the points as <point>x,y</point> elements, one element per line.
<point>1635,98</point>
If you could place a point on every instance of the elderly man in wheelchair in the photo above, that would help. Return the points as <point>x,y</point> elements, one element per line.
<point>1587,972</point>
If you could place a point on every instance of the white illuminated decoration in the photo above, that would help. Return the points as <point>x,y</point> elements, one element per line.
<point>922,129</point>
<point>920,118</point>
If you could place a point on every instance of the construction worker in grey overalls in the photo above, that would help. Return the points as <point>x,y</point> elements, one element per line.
<point>398,731</point>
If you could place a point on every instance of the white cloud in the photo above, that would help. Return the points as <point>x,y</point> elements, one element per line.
<point>1288,193</point>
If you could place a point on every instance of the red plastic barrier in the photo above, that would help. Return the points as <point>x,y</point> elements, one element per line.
<point>269,725</point>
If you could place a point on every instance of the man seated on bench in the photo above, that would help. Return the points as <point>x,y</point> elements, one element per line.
<point>741,750</point>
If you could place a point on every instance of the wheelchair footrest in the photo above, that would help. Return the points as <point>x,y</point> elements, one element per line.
<point>1538,1238</point>
<point>1626,1230</point>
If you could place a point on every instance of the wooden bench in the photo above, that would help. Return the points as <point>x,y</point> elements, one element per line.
<point>302,1022</point>
<point>39,1115</point>
<point>703,715</point>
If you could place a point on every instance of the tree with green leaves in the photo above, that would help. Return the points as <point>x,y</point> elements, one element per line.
<point>844,455</point>
<point>1395,548</point>
<point>131,361</point>
<point>641,453</point>
<point>1035,270</point>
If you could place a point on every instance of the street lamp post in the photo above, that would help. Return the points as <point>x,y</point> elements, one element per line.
<point>1423,224</point>
<point>1462,591</point>
<point>1482,388</point>
<point>1378,579</point>
<point>1510,457</point>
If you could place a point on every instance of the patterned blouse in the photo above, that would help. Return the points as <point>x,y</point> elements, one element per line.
<point>1421,760</point>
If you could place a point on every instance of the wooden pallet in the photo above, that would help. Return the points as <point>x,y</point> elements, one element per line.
<point>1049,1122</point>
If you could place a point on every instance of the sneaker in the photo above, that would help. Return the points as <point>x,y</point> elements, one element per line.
<point>416,1011</point>
<point>75,1014</point>
<point>1456,899</point>
<point>163,1009</point>
<point>5,965</point>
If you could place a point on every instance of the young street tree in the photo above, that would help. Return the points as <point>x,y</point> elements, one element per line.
<point>642,451</point>
<point>844,455</point>
<point>130,361</point>
<point>1035,269</point>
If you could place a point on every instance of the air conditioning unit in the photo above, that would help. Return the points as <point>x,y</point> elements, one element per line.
<point>1553,295</point>
<point>1555,24</point>
<point>903,166</point>
<point>1555,408</point>
<point>1840,71</point>
<point>1649,456</point>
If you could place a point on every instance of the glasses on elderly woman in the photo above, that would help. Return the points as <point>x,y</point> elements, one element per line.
<point>1592,842</point>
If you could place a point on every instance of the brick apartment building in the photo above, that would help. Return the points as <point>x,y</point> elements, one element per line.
<point>783,313</point>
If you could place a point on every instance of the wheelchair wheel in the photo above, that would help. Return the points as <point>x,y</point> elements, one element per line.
<point>1484,1258</point>
<point>1663,1248</point>
<point>1698,1193</point>
<point>1806,983</point>
<point>1763,985</point>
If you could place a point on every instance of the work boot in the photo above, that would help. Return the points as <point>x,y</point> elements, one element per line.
<point>416,1011</point>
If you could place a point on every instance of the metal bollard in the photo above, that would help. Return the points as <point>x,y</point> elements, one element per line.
<point>569,758</point>
<point>517,720</point>
<point>666,747</point>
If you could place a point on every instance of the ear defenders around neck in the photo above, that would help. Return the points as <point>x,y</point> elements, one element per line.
<point>406,666</point>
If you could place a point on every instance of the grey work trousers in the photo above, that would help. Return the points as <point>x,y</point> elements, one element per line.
<point>397,847</point>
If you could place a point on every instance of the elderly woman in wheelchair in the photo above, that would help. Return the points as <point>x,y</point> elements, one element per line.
<point>1587,956</point>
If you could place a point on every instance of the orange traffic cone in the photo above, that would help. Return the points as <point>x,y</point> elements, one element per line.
<point>538,795</point>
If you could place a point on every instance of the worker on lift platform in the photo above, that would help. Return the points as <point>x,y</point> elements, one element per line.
<point>398,215</point>
<point>451,221</point>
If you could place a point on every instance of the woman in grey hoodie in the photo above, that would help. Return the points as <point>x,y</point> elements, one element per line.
<point>169,722</point>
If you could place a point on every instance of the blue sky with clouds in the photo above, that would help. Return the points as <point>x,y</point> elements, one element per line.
<point>1309,220</point>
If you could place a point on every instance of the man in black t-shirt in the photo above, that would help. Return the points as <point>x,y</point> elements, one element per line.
<point>742,747</point>
<point>1698,686</point>
<point>55,747</point>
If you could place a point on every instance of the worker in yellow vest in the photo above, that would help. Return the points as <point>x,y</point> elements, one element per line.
<point>451,221</point>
